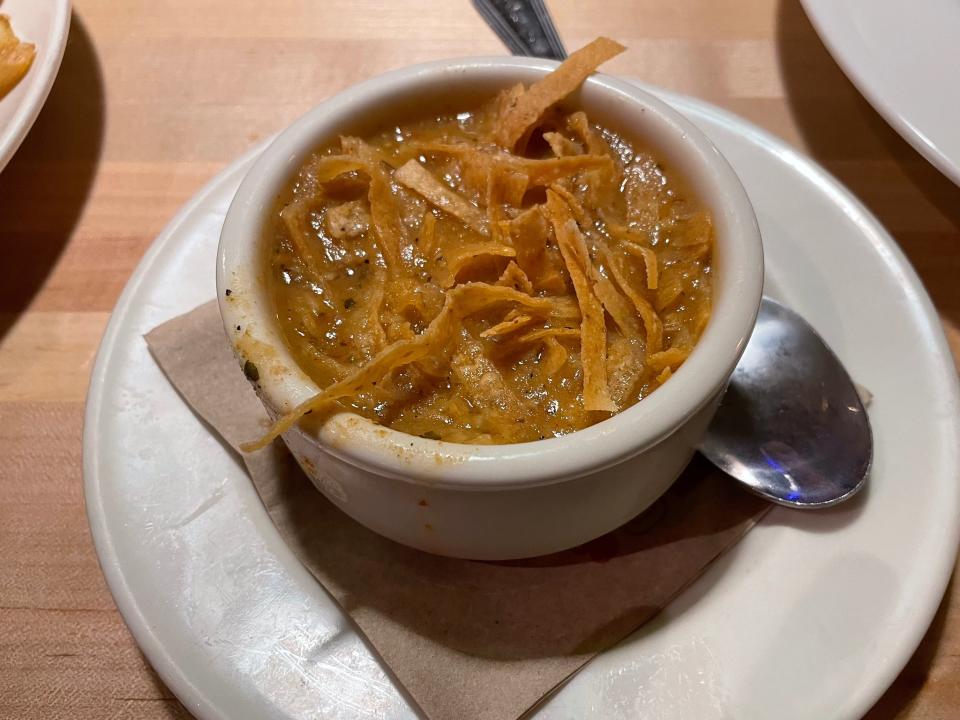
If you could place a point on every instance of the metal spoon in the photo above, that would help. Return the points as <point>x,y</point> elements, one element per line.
<point>791,426</point>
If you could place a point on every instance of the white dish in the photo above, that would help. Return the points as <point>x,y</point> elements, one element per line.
<point>496,502</point>
<point>832,602</point>
<point>903,57</point>
<point>45,23</point>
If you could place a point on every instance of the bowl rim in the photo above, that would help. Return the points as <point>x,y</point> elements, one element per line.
<point>384,451</point>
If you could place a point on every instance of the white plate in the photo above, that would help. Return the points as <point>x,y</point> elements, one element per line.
<point>45,23</point>
<point>811,615</point>
<point>903,56</point>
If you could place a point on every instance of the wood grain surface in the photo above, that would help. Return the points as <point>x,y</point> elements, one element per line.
<point>155,96</point>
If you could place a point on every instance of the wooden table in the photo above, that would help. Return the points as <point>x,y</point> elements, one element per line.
<point>154,97</point>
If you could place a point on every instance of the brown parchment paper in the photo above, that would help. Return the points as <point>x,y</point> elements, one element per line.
<point>467,639</point>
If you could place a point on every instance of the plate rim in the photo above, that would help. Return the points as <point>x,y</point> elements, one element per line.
<point>120,590</point>
<point>12,137</point>
<point>862,699</point>
<point>871,89</point>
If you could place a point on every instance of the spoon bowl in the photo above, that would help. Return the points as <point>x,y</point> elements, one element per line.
<point>791,427</point>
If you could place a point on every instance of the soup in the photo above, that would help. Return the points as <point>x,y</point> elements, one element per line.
<point>501,274</point>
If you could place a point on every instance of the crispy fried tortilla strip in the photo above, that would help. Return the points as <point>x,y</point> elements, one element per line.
<point>519,113</point>
<point>554,355</point>
<point>416,177</point>
<point>671,358</point>
<point>615,304</point>
<point>624,366</point>
<point>514,276</point>
<point>606,293</point>
<point>602,183</point>
<point>539,173</point>
<point>505,187</point>
<point>460,257</point>
<point>561,145</point>
<point>562,333</point>
<point>428,234</point>
<point>328,167</point>
<point>507,99</point>
<point>385,214</point>
<point>593,330</point>
<point>385,218</point>
<point>372,325</point>
<point>652,324</point>
<point>294,216</point>
<point>536,255</point>
<point>550,170</point>
<point>669,289</point>
<point>507,326</point>
<point>580,126</point>
<point>575,207</point>
<point>649,258</point>
<point>361,150</point>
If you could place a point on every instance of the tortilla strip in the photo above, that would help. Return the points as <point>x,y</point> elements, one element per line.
<point>508,98</point>
<point>561,308</point>
<point>670,290</point>
<point>514,276</point>
<point>507,326</point>
<point>373,325</point>
<point>651,321</point>
<point>575,207</point>
<point>649,258</point>
<point>504,187</point>
<point>384,213</point>
<point>539,172</point>
<point>624,366</point>
<point>615,304</point>
<point>555,355</point>
<point>428,234</point>
<point>514,183</point>
<point>581,127</point>
<point>519,114</point>
<point>460,257</point>
<point>416,177</point>
<point>360,149</point>
<point>609,296</point>
<point>593,330</point>
<point>328,167</point>
<point>544,172</point>
<point>293,216</point>
<point>670,358</point>
<point>385,219</point>
<point>561,145</point>
<point>563,333</point>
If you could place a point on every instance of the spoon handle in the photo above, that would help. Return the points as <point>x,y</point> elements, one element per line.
<point>524,26</point>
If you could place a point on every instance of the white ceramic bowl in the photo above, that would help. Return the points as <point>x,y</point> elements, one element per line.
<point>496,502</point>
